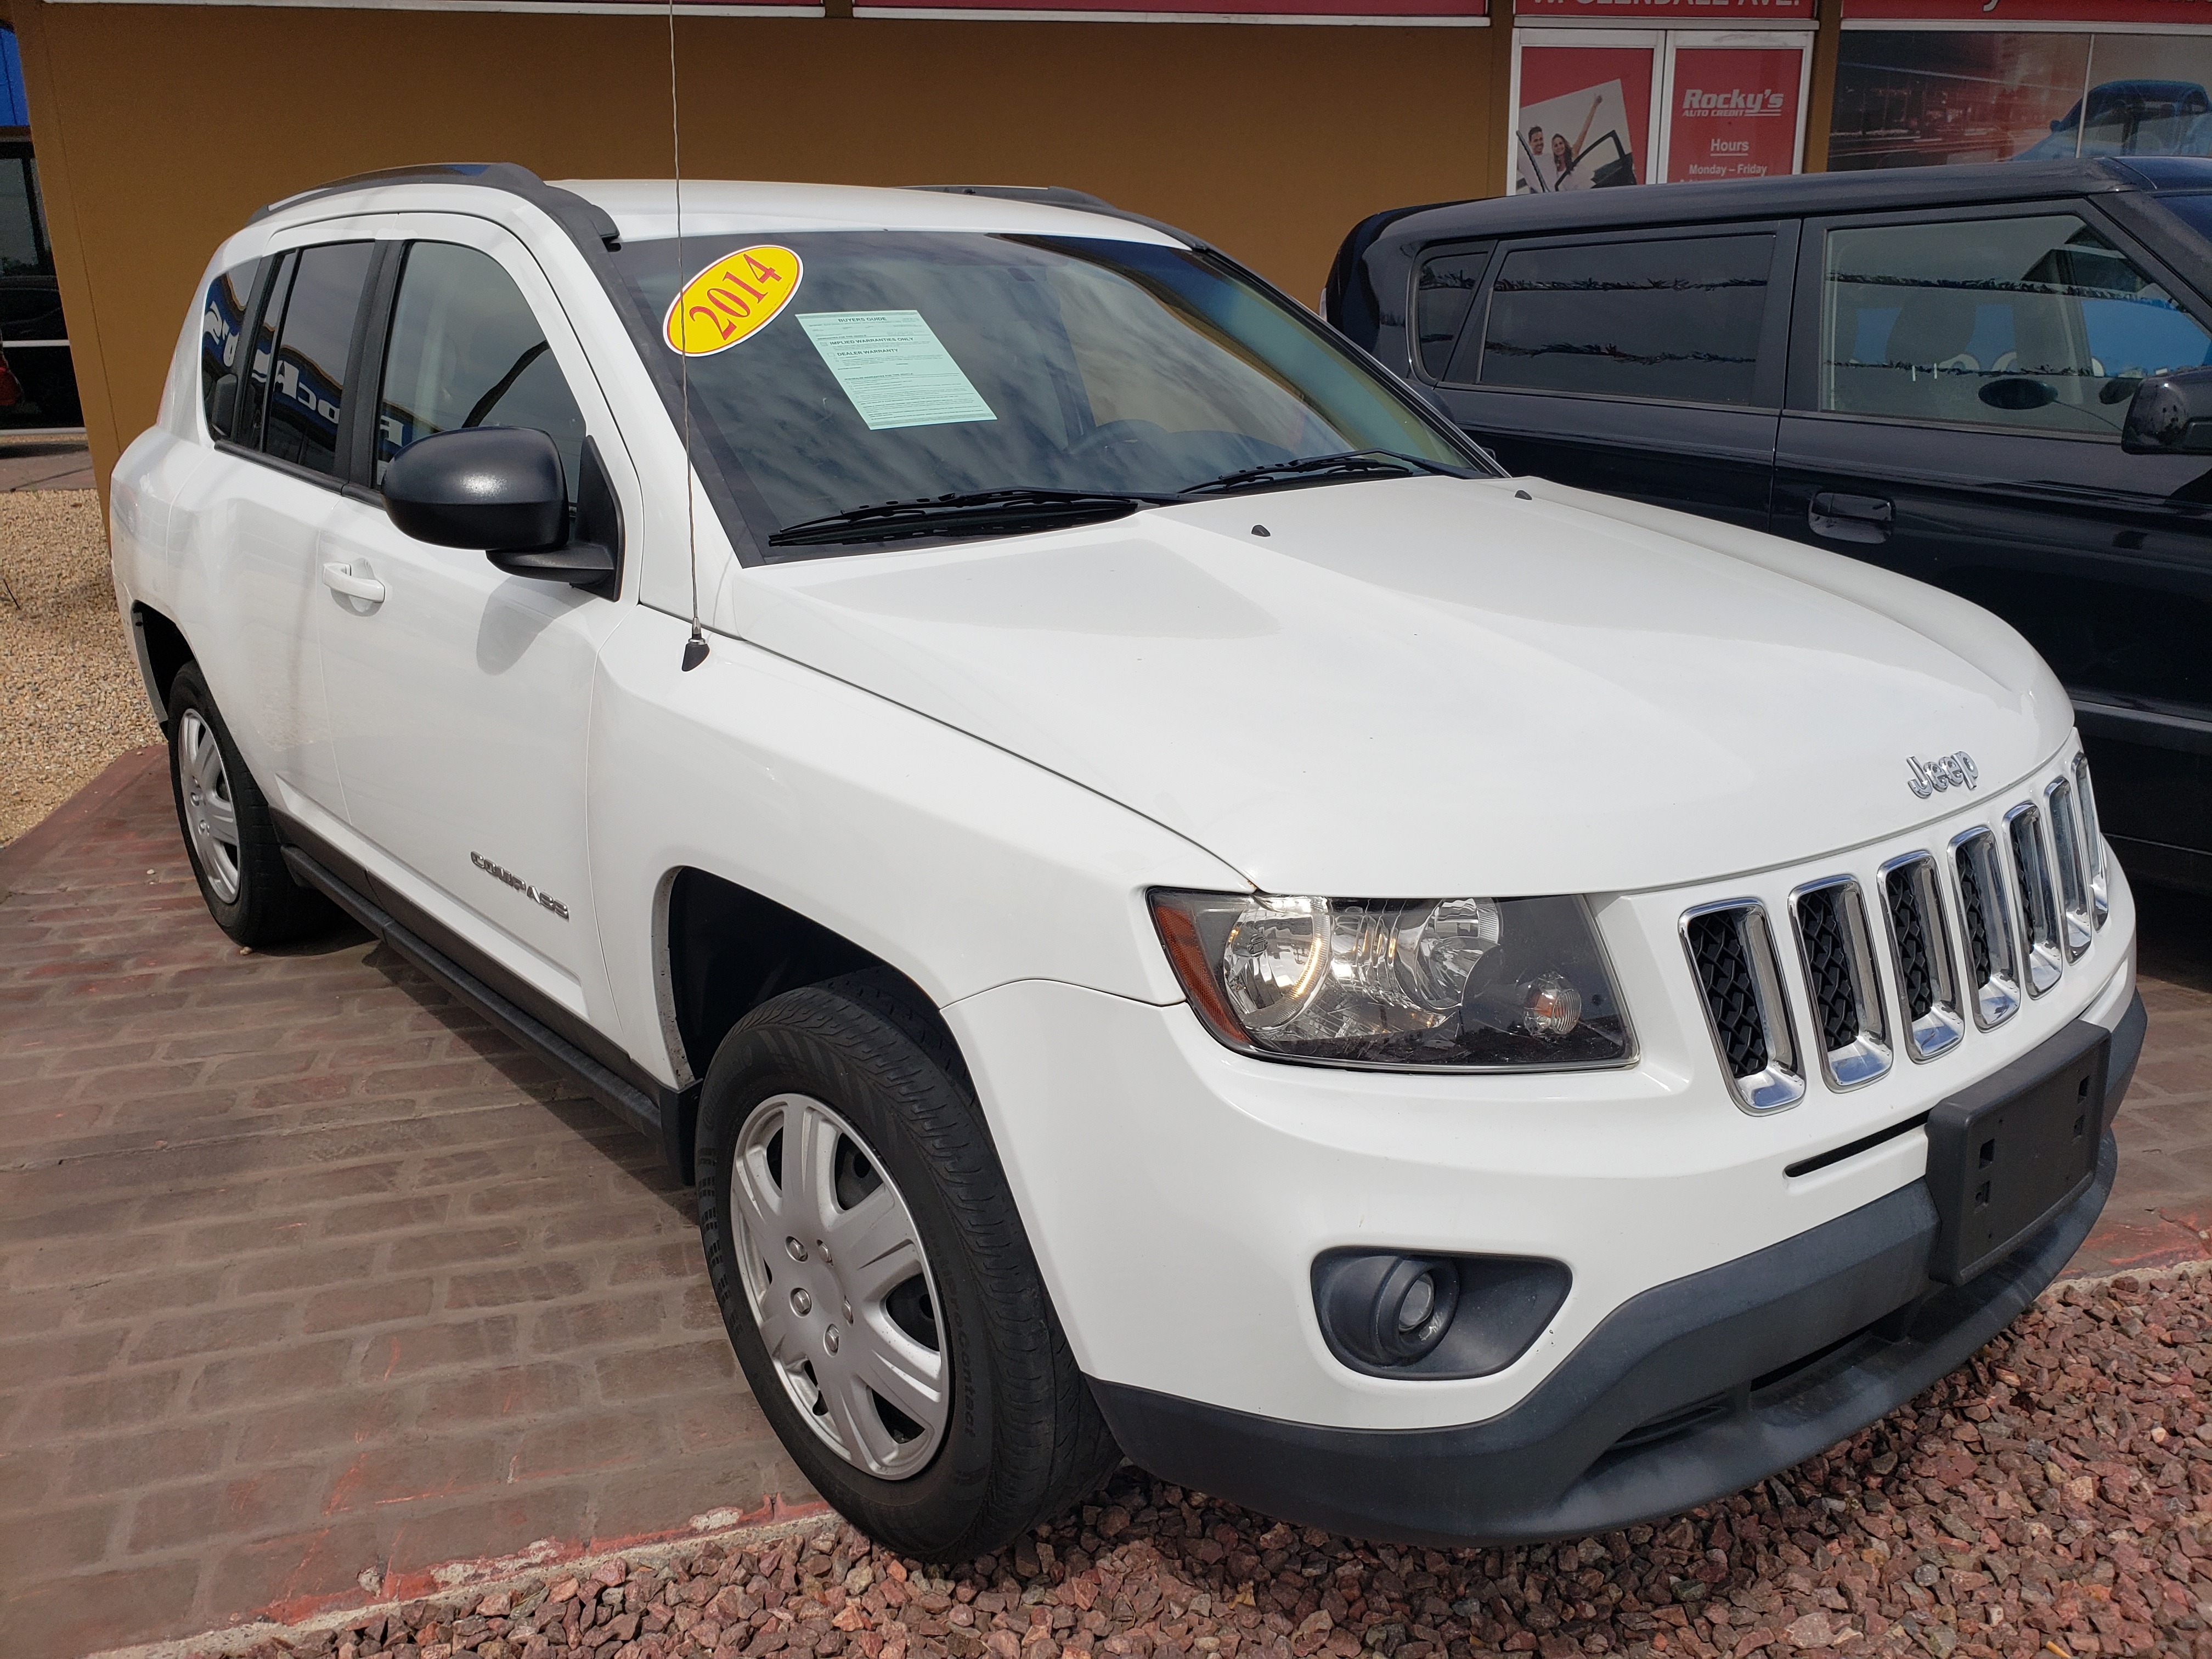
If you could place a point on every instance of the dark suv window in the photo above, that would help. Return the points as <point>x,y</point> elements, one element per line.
<point>465,351</point>
<point>2036,322</point>
<point>1676,319</point>
<point>222,328</point>
<point>306,389</point>
<point>1442,294</point>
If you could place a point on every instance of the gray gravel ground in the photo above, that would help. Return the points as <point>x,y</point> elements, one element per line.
<point>70,697</point>
<point>2050,1499</point>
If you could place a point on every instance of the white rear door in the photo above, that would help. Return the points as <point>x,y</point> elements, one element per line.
<point>247,524</point>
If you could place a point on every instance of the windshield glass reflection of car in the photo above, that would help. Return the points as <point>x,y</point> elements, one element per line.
<point>2131,118</point>
<point>938,384</point>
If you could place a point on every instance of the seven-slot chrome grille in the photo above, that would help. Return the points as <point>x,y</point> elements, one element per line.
<point>1970,926</point>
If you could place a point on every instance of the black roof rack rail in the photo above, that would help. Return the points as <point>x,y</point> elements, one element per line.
<point>1063,195</point>
<point>580,218</point>
<point>1052,195</point>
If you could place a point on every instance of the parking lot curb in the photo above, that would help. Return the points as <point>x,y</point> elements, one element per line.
<point>462,1584</point>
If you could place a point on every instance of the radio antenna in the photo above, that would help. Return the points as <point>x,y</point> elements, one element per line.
<point>695,648</point>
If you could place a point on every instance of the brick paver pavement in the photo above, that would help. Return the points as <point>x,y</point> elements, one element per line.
<point>308,1274</point>
<point>309,1280</point>
<point>2161,1211</point>
<point>44,464</point>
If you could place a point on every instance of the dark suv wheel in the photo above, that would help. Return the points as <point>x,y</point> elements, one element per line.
<point>877,1286</point>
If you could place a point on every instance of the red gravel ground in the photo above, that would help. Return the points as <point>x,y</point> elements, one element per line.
<point>2055,1497</point>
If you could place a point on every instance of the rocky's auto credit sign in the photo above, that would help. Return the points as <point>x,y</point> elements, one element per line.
<point>1734,112</point>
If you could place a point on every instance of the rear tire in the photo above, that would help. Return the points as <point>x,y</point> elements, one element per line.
<point>1015,1437</point>
<point>237,856</point>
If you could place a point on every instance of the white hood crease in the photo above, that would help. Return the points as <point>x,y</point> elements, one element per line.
<point>1428,686</point>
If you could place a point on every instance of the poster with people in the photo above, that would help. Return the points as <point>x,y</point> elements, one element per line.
<point>1583,119</point>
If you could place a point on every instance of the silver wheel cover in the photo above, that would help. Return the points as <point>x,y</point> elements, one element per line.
<point>210,817</point>
<point>839,1288</point>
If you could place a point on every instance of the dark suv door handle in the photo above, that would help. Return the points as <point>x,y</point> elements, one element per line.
<point>1849,518</point>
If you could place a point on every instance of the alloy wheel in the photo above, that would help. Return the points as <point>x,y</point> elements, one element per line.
<point>839,1286</point>
<point>210,815</point>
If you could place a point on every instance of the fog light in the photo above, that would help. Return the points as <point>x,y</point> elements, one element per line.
<point>1392,1310</point>
<point>1390,1313</point>
<point>1420,1298</point>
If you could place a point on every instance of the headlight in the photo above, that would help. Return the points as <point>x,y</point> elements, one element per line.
<point>1466,984</point>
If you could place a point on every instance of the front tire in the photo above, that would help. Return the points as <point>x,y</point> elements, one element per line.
<point>913,1369</point>
<point>236,853</point>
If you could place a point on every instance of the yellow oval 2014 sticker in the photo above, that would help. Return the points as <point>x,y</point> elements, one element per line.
<point>734,297</point>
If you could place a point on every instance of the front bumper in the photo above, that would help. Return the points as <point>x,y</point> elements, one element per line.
<point>1694,1390</point>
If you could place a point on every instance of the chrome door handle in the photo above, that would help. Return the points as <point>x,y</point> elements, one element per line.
<point>340,579</point>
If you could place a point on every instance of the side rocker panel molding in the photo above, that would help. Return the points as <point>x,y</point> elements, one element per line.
<point>660,1116</point>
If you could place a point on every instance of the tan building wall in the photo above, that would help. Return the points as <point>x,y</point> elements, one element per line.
<point>160,128</point>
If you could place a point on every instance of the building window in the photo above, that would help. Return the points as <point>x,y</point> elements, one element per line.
<point>1927,98</point>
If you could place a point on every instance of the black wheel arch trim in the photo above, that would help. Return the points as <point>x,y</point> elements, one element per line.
<point>161,650</point>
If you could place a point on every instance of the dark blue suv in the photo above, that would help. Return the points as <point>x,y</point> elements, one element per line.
<point>1990,378</point>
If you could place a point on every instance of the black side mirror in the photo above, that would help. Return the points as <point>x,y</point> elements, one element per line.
<point>503,488</point>
<point>2170,415</point>
<point>480,486</point>
<point>591,557</point>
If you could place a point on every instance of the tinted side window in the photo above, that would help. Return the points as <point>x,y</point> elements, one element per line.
<point>1441,294</point>
<point>465,351</point>
<point>222,328</point>
<point>2039,323</point>
<point>246,429</point>
<point>1678,319</point>
<point>307,390</point>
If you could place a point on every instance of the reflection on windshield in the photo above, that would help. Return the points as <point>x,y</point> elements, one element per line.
<point>911,365</point>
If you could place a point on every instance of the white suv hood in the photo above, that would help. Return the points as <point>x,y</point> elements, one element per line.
<point>1429,686</point>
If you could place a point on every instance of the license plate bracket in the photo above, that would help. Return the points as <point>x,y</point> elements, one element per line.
<point>2007,1154</point>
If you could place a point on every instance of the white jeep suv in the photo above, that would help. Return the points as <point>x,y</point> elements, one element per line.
<point>1163,902</point>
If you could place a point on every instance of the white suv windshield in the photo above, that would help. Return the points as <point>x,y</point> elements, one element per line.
<point>903,367</point>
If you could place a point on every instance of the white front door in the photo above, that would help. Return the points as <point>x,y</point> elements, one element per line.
<point>461,695</point>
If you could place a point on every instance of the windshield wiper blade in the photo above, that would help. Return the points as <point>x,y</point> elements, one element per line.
<point>981,512</point>
<point>1349,464</point>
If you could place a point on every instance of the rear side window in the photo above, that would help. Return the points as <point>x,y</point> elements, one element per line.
<point>1442,293</point>
<point>2038,323</point>
<point>246,428</point>
<point>1677,318</point>
<point>465,351</point>
<point>314,337</point>
<point>223,330</point>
